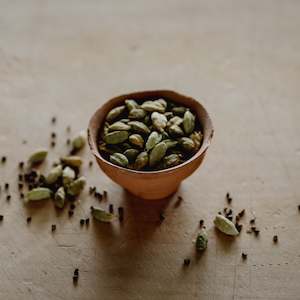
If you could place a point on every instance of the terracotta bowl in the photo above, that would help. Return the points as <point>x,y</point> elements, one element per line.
<point>151,184</point>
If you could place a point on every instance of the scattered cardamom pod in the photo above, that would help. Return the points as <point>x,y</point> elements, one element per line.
<point>131,154</point>
<point>116,137</point>
<point>79,141</point>
<point>137,113</point>
<point>159,121</point>
<point>102,216</point>
<point>68,175</point>
<point>115,113</point>
<point>153,139</point>
<point>40,193</point>
<point>188,122</point>
<point>157,153</point>
<point>72,161</point>
<point>136,140</point>
<point>59,198</point>
<point>139,127</point>
<point>225,225</point>
<point>54,174</point>
<point>119,126</point>
<point>141,161</point>
<point>202,240</point>
<point>76,186</point>
<point>38,156</point>
<point>119,159</point>
<point>131,104</point>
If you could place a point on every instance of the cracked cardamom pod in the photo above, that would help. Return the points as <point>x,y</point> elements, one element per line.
<point>171,160</point>
<point>175,131</point>
<point>68,175</point>
<point>79,141</point>
<point>187,144</point>
<point>59,198</point>
<point>197,138</point>
<point>40,193</point>
<point>115,113</point>
<point>153,139</point>
<point>119,159</point>
<point>37,156</point>
<point>202,240</point>
<point>131,104</point>
<point>76,186</point>
<point>153,106</point>
<point>131,154</point>
<point>54,174</point>
<point>136,140</point>
<point>225,225</point>
<point>157,153</point>
<point>102,216</point>
<point>159,121</point>
<point>141,161</point>
<point>188,122</point>
<point>72,161</point>
<point>137,113</point>
<point>116,137</point>
<point>139,127</point>
<point>119,126</point>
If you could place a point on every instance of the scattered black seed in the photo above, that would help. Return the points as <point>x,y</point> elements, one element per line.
<point>186,261</point>
<point>238,227</point>
<point>53,144</point>
<point>81,222</point>
<point>3,159</point>
<point>53,120</point>
<point>299,207</point>
<point>75,279</point>
<point>256,232</point>
<point>121,213</point>
<point>237,218</point>
<point>70,213</point>
<point>91,208</point>
<point>8,197</point>
<point>162,216</point>
<point>20,185</point>
<point>111,208</point>
<point>28,220</point>
<point>20,177</point>
<point>87,221</point>
<point>275,238</point>
<point>241,213</point>
<point>21,195</point>
<point>99,196</point>
<point>72,206</point>
<point>227,195</point>
<point>1,218</point>
<point>90,163</point>
<point>76,272</point>
<point>24,142</point>
<point>21,164</point>
<point>105,195</point>
<point>53,227</point>
<point>201,223</point>
<point>219,213</point>
<point>252,221</point>
<point>230,218</point>
<point>6,186</point>
<point>178,201</point>
<point>92,190</point>
<point>229,200</point>
<point>68,141</point>
<point>244,256</point>
<point>53,135</point>
<point>228,211</point>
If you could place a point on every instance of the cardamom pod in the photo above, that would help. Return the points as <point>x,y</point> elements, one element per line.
<point>171,160</point>
<point>105,129</point>
<point>116,137</point>
<point>40,193</point>
<point>141,161</point>
<point>225,225</point>
<point>102,216</point>
<point>124,121</point>
<point>179,110</point>
<point>38,156</point>
<point>76,186</point>
<point>119,159</point>
<point>137,113</point>
<point>202,240</point>
<point>68,175</point>
<point>79,141</point>
<point>131,154</point>
<point>72,161</point>
<point>168,115</point>
<point>139,127</point>
<point>153,106</point>
<point>163,102</point>
<point>175,131</point>
<point>125,146</point>
<point>188,122</point>
<point>136,140</point>
<point>119,126</point>
<point>59,198</point>
<point>197,138</point>
<point>115,113</point>
<point>170,143</point>
<point>153,139</point>
<point>157,153</point>
<point>175,121</point>
<point>187,144</point>
<point>131,104</point>
<point>159,121</point>
<point>54,174</point>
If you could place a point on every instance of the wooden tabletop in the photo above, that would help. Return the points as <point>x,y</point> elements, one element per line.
<point>241,59</point>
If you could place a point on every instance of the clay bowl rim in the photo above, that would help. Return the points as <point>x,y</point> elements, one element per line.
<point>204,146</point>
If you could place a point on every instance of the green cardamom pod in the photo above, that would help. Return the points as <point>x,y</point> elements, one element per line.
<point>105,129</point>
<point>59,198</point>
<point>188,122</point>
<point>225,225</point>
<point>119,126</point>
<point>159,121</point>
<point>139,127</point>
<point>54,174</point>
<point>136,140</point>
<point>179,110</point>
<point>40,193</point>
<point>79,141</point>
<point>175,121</point>
<point>116,137</point>
<point>153,106</point>
<point>137,113</point>
<point>119,159</point>
<point>72,161</point>
<point>163,102</point>
<point>153,139</point>
<point>197,138</point>
<point>37,156</point>
<point>170,143</point>
<point>124,121</point>
<point>115,113</point>
<point>68,175</point>
<point>202,240</point>
<point>141,161</point>
<point>171,160</point>
<point>175,131</point>
<point>131,154</point>
<point>76,186</point>
<point>157,153</point>
<point>187,144</point>
<point>102,216</point>
<point>131,104</point>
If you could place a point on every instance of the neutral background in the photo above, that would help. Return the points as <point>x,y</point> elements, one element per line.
<point>241,59</point>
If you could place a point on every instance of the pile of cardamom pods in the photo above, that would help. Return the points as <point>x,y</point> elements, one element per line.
<point>149,135</point>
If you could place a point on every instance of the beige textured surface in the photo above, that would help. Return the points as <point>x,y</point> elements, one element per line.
<point>242,58</point>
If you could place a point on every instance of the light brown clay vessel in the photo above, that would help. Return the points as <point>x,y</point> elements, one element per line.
<point>151,184</point>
